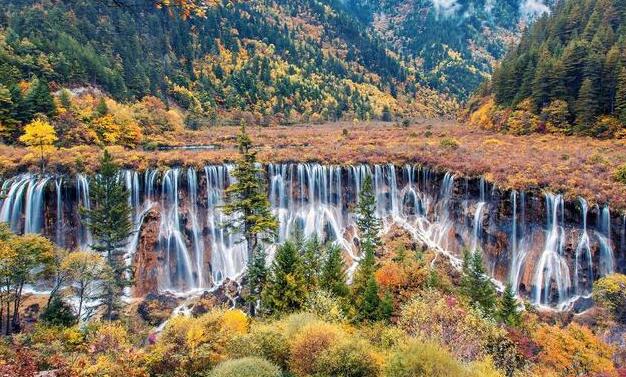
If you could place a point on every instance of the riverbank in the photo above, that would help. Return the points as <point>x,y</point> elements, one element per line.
<point>573,166</point>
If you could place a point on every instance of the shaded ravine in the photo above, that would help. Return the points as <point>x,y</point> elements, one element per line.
<point>549,249</point>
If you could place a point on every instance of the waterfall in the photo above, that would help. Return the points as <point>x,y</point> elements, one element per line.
<point>196,251</point>
<point>178,269</point>
<point>82,193</point>
<point>58,226</point>
<point>518,247</point>
<point>11,211</point>
<point>196,230</point>
<point>552,266</point>
<point>583,252</point>
<point>478,226</point>
<point>606,261</point>
<point>228,257</point>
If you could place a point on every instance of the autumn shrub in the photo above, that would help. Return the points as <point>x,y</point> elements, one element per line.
<point>245,367</point>
<point>325,306</point>
<point>264,341</point>
<point>350,357</point>
<point>105,344</point>
<point>390,275</point>
<point>309,344</point>
<point>610,293</point>
<point>445,320</point>
<point>294,323</point>
<point>448,142</point>
<point>620,174</point>
<point>572,351</point>
<point>194,345</point>
<point>424,359</point>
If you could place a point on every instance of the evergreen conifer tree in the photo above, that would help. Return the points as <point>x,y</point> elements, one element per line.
<point>333,276</point>
<point>246,200</point>
<point>476,285</point>
<point>507,310</point>
<point>285,290</point>
<point>620,96</point>
<point>370,306</point>
<point>110,225</point>
<point>257,276</point>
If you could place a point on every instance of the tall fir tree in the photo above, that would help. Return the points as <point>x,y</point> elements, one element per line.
<point>108,219</point>
<point>257,278</point>
<point>367,222</point>
<point>369,226</point>
<point>285,290</point>
<point>246,199</point>
<point>620,96</point>
<point>507,309</point>
<point>333,276</point>
<point>476,284</point>
<point>587,105</point>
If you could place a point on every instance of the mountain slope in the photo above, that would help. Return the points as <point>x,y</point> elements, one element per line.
<point>293,60</point>
<point>453,44</point>
<point>567,75</point>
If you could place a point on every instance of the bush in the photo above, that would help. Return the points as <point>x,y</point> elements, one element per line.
<point>309,344</point>
<point>58,313</point>
<point>620,174</point>
<point>445,320</point>
<point>325,305</point>
<point>246,367</point>
<point>610,293</point>
<point>266,342</point>
<point>349,358</point>
<point>448,142</point>
<point>424,359</point>
<point>572,351</point>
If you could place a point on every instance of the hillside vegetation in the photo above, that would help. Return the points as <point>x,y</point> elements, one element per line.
<point>269,61</point>
<point>567,75</point>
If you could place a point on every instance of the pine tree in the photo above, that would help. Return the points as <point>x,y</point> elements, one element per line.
<point>246,200</point>
<point>7,123</point>
<point>110,225</point>
<point>476,285</point>
<point>369,226</point>
<point>101,108</point>
<point>333,277</point>
<point>386,307</point>
<point>368,223</point>
<point>507,310</point>
<point>285,290</point>
<point>620,96</point>
<point>257,277</point>
<point>39,99</point>
<point>587,105</point>
<point>370,306</point>
<point>311,252</point>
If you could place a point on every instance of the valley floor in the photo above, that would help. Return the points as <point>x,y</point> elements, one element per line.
<point>575,166</point>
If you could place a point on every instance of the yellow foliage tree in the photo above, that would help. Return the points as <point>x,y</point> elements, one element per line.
<point>39,135</point>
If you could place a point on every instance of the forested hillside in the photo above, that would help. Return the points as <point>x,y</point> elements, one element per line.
<point>453,44</point>
<point>271,61</point>
<point>567,75</point>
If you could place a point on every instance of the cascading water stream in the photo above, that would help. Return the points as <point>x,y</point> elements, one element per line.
<point>552,267</point>
<point>195,250</point>
<point>84,201</point>
<point>606,263</point>
<point>583,253</point>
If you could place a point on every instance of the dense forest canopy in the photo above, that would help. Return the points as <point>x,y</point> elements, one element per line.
<point>568,73</point>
